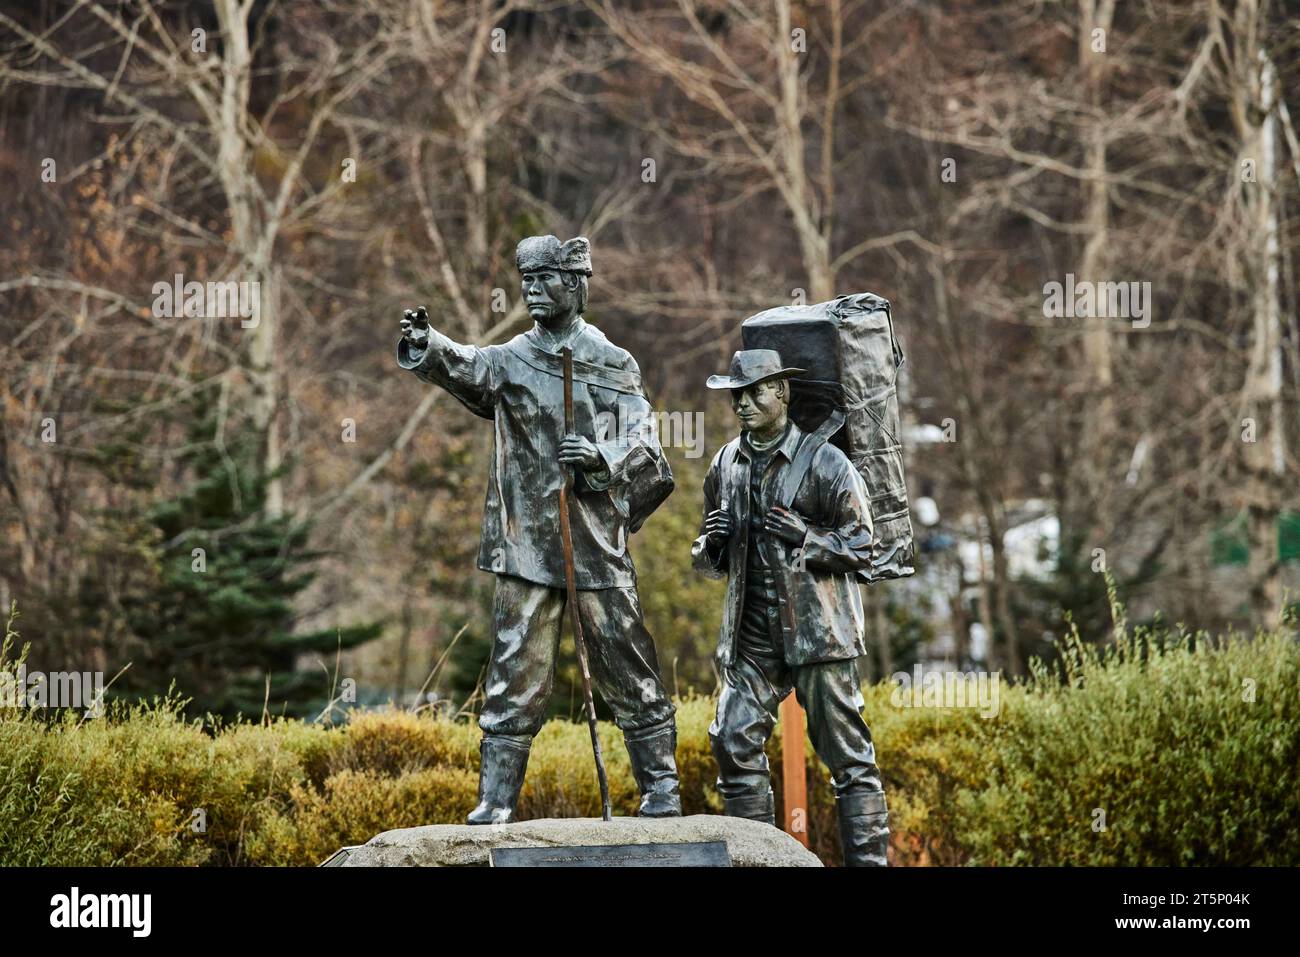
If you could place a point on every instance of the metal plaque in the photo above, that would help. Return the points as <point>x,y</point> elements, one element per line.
<point>695,854</point>
<point>339,857</point>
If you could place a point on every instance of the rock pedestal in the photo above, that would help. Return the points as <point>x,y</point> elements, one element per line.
<point>749,843</point>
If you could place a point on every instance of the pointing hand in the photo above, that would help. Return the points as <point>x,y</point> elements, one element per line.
<point>415,327</point>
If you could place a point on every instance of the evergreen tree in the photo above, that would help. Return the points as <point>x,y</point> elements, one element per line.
<point>212,608</point>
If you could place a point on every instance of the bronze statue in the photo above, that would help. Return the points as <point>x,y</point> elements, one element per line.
<point>787,520</point>
<point>622,476</point>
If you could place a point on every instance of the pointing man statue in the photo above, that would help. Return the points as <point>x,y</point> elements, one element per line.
<point>622,476</point>
<point>787,520</point>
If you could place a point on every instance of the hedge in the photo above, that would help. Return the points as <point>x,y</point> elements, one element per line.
<point>1159,748</point>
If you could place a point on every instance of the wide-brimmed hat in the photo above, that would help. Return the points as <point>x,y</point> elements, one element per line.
<point>751,366</point>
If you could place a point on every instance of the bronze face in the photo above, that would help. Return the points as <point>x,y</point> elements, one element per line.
<point>761,408</point>
<point>550,300</point>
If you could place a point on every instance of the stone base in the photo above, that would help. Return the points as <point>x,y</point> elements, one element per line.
<point>749,843</point>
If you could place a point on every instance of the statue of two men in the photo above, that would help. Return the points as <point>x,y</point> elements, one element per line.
<point>786,519</point>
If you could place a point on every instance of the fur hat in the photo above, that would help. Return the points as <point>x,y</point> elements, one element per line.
<point>547,252</point>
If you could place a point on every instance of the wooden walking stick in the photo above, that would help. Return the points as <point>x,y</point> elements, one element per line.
<point>570,582</point>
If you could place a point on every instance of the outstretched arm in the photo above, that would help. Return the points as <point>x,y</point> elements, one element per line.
<point>463,370</point>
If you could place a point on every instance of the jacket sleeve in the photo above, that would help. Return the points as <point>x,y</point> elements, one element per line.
<point>467,372</point>
<point>706,557</point>
<point>844,544</point>
<point>632,443</point>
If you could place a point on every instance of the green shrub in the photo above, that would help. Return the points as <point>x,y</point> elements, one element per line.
<point>353,807</point>
<point>68,797</point>
<point>1160,749</point>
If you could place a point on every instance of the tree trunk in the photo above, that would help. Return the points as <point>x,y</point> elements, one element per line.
<point>1098,435</point>
<point>814,244</point>
<point>251,241</point>
<point>1265,458</point>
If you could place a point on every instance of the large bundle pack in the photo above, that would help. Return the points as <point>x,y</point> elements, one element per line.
<point>852,357</point>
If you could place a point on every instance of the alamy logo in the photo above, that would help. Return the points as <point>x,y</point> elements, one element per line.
<point>134,911</point>
<point>675,429</point>
<point>53,689</point>
<point>949,689</point>
<point>1098,300</point>
<point>209,300</point>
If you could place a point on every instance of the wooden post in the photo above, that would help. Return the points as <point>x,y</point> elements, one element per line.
<point>794,770</point>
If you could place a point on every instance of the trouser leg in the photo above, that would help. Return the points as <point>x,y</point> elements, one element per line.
<point>746,715</point>
<point>625,670</point>
<point>831,694</point>
<point>526,619</point>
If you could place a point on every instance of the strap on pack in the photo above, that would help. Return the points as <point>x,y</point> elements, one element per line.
<point>803,456</point>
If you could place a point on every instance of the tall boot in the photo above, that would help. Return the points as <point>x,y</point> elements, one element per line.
<point>503,758</point>
<point>653,753</point>
<point>864,828</point>
<point>756,807</point>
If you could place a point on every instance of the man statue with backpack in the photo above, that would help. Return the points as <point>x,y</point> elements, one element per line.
<point>787,520</point>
